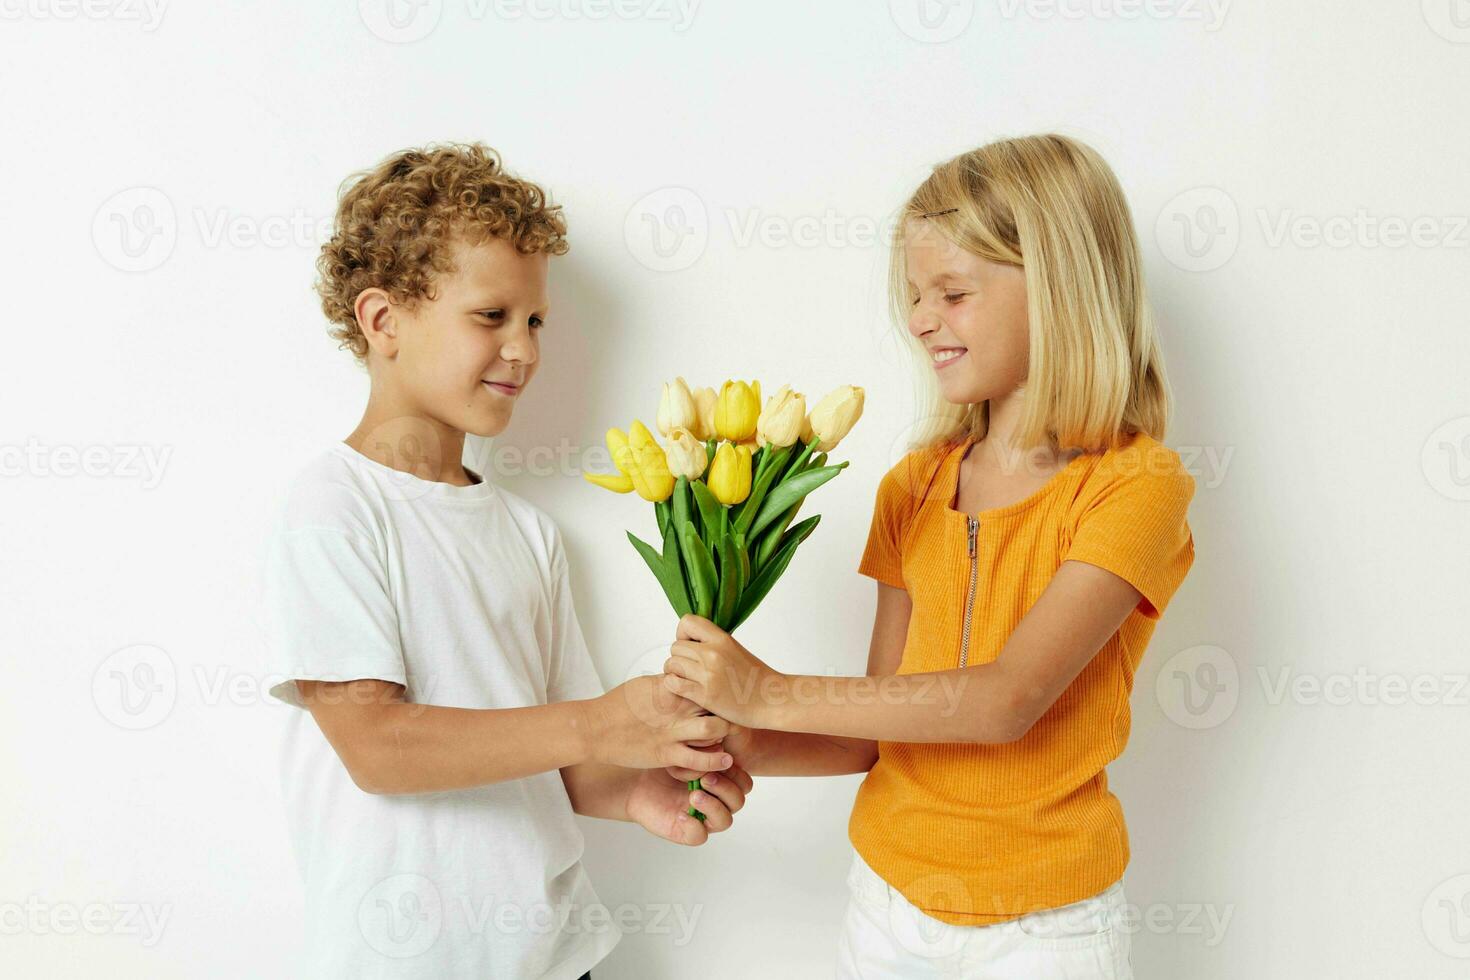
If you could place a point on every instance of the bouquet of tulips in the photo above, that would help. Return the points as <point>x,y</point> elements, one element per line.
<point>726,489</point>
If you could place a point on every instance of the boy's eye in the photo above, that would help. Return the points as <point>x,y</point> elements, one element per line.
<point>537,323</point>
<point>493,314</point>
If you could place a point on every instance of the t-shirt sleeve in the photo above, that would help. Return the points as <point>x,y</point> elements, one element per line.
<point>893,505</point>
<point>1136,528</point>
<point>572,675</point>
<point>328,612</point>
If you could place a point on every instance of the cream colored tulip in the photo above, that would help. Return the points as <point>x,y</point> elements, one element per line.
<point>835,415</point>
<point>676,408</point>
<point>782,418</point>
<point>686,455</point>
<point>705,400</point>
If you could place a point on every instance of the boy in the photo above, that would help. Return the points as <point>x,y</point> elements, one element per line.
<point>453,721</point>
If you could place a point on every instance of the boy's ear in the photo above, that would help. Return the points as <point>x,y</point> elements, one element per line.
<point>377,319</point>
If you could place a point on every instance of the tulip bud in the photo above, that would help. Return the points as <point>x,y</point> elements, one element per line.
<point>705,400</point>
<point>781,420</point>
<point>729,475</point>
<point>619,482</point>
<point>686,455</point>
<point>836,414</point>
<point>676,409</point>
<point>737,410</point>
<point>649,468</point>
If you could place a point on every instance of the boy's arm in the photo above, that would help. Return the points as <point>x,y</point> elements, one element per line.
<point>391,746</point>
<point>767,752</point>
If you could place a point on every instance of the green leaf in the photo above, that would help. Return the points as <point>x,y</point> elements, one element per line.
<point>661,513</point>
<point>751,506</point>
<point>709,507</point>
<point>680,502</point>
<point>729,589</point>
<point>770,539</point>
<point>674,561</point>
<point>766,578</point>
<point>668,577</point>
<point>701,569</point>
<point>791,491</point>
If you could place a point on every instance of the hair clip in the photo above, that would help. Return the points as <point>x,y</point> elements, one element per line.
<point>935,214</point>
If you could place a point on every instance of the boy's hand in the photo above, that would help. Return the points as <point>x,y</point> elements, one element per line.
<point>642,725</point>
<point>659,802</point>
<point>707,666</point>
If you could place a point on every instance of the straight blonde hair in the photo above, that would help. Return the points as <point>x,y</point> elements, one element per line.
<point>1051,205</point>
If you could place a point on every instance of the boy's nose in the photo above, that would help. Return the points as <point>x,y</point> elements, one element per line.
<point>521,350</point>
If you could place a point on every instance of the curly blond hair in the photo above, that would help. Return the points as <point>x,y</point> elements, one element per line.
<point>395,224</point>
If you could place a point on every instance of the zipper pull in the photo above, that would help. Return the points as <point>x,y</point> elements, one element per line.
<point>974,527</point>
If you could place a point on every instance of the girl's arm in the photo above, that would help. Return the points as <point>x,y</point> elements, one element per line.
<point>771,752</point>
<point>1081,608</point>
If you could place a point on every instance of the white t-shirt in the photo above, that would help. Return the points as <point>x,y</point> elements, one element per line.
<point>460,594</point>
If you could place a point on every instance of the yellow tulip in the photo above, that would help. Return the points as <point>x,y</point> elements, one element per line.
<point>616,482</point>
<point>676,408</point>
<point>782,418</point>
<point>705,400</point>
<point>621,481</point>
<point>647,465</point>
<point>729,474</point>
<point>686,455</point>
<point>835,415</point>
<point>738,410</point>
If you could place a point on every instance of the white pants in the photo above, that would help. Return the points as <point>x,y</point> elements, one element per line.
<point>885,936</point>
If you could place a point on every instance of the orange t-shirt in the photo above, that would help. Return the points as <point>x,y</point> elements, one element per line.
<point>976,834</point>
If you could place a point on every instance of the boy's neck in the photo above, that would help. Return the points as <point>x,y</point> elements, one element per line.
<point>413,444</point>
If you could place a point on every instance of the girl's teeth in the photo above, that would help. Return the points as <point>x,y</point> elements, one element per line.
<point>946,355</point>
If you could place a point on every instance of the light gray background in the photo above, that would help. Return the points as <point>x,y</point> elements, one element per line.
<point>1297,174</point>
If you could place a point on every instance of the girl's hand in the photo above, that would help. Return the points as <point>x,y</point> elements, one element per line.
<point>707,666</point>
<point>740,743</point>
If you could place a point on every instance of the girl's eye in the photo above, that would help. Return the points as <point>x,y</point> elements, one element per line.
<point>953,297</point>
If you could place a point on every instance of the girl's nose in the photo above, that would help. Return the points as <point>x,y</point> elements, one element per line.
<point>922,322</point>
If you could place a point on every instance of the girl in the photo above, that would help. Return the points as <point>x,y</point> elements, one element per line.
<point>1024,552</point>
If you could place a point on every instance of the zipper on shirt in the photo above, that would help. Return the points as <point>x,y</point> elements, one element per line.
<point>974,527</point>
